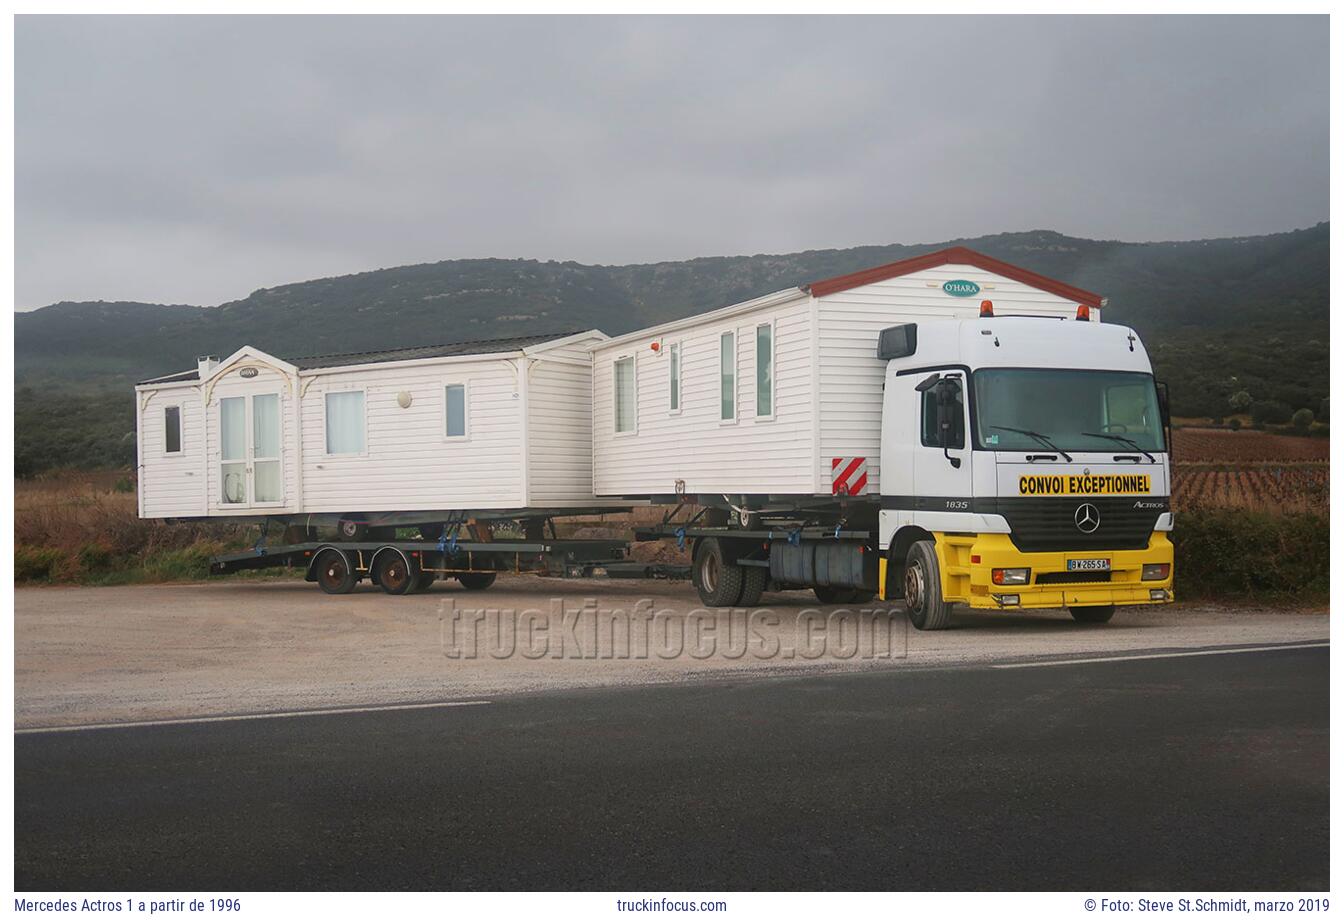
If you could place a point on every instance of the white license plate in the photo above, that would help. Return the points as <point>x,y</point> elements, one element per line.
<point>1089,565</point>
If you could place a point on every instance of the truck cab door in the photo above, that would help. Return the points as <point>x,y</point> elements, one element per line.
<point>942,455</point>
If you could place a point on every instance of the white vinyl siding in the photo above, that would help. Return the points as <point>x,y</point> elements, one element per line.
<point>695,445</point>
<point>560,432</point>
<point>728,376</point>
<point>623,395</point>
<point>171,484</point>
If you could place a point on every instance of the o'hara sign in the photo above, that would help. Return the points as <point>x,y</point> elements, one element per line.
<point>961,288</point>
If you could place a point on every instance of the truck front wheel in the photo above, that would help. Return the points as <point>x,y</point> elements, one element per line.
<point>923,584</point>
<point>1101,614</point>
<point>718,581</point>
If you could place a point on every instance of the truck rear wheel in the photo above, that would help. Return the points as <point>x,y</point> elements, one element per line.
<point>718,582</point>
<point>426,579</point>
<point>334,574</point>
<point>924,602</point>
<point>394,574</point>
<point>1101,614</point>
<point>754,580</point>
<point>476,581</point>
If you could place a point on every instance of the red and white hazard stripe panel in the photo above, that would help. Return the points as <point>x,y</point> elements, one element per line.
<point>849,475</point>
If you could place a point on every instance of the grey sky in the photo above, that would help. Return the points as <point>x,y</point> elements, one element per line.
<point>195,159</point>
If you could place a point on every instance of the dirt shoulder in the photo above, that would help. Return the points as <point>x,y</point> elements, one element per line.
<point>85,655</point>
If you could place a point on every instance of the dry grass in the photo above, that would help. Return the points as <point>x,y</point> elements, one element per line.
<point>77,527</point>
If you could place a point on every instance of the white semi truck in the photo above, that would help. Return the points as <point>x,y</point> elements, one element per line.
<point>893,433</point>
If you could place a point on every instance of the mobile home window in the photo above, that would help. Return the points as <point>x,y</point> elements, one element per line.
<point>765,370</point>
<point>674,377</point>
<point>928,425</point>
<point>455,408</point>
<point>625,394</point>
<point>728,376</point>
<point>345,422</point>
<point>172,430</point>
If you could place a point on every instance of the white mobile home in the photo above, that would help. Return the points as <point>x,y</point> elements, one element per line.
<point>492,425</point>
<point>782,395</point>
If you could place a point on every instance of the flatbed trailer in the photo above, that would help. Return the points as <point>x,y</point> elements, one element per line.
<point>404,566</point>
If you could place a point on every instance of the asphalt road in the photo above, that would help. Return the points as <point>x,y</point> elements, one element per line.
<point>1207,772</point>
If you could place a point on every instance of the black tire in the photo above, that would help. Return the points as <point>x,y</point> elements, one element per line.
<point>924,603</point>
<point>1093,614</point>
<point>476,581</point>
<point>718,582</point>
<point>754,580</point>
<point>831,594</point>
<point>349,531</point>
<point>863,597</point>
<point>426,579</point>
<point>394,574</point>
<point>333,572</point>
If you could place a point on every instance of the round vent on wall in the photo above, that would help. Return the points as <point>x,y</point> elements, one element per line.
<point>404,399</point>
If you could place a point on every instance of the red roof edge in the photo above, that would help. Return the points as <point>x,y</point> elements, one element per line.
<point>955,255</point>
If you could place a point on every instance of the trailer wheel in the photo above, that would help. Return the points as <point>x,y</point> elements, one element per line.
<point>718,581</point>
<point>754,580</point>
<point>924,602</point>
<point>831,594</point>
<point>1093,614</point>
<point>393,573</point>
<point>476,581</point>
<point>334,574</point>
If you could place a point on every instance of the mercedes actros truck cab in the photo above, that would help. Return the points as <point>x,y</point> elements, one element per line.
<point>1025,464</point>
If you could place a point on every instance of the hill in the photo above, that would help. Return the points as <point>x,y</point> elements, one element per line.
<point>1246,313</point>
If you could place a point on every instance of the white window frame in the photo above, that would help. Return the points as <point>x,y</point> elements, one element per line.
<point>718,383</point>
<point>774,371</point>
<point>325,394</point>
<point>181,433</point>
<point>466,409</point>
<point>634,396</point>
<point>677,352</point>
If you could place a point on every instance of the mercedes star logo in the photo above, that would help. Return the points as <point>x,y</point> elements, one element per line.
<point>1087,518</point>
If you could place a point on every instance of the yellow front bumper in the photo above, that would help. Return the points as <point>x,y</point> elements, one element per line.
<point>965,562</point>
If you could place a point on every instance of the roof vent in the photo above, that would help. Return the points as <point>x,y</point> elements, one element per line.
<point>205,364</point>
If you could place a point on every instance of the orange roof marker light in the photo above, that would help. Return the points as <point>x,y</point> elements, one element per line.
<point>1083,315</point>
<point>655,345</point>
<point>986,308</point>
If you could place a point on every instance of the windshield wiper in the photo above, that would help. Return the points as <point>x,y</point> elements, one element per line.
<point>1133,445</point>
<point>1038,436</point>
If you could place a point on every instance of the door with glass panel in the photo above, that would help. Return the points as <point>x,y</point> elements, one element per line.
<point>250,466</point>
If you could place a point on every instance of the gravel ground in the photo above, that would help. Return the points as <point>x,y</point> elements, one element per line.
<point>86,655</point>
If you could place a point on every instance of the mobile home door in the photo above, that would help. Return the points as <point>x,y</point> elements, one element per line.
<point>250,470</point>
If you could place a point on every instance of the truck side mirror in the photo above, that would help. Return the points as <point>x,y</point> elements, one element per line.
<point>947,414</point>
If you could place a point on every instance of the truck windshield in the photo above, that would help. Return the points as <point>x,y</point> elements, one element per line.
<point>1069,407</point>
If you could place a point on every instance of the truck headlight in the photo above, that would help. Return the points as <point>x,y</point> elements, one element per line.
<point>1010,576</point>
<point>1157,571</point>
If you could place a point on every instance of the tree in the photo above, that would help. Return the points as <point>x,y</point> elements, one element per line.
<point>1240,401</point>
<point>1269,412</point>
<point>1302,420</point>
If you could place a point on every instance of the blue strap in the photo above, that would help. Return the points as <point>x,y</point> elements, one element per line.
<point>681,537</point>
<point>796,536</point>
<point>260,546</point>
<point>837,531</point>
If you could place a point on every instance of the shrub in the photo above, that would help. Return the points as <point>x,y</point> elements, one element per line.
<point>1237,554</point>
<point>124,484</point>
<point>1234,423</point>
<point>34,563</point>
<point>1302,420</point>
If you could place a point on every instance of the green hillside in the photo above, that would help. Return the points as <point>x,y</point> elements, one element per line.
<point>1219,316</point>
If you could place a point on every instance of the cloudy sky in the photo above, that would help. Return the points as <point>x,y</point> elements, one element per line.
<point>195,159</point>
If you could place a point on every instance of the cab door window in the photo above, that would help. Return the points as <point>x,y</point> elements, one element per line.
<point>928,419</point>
